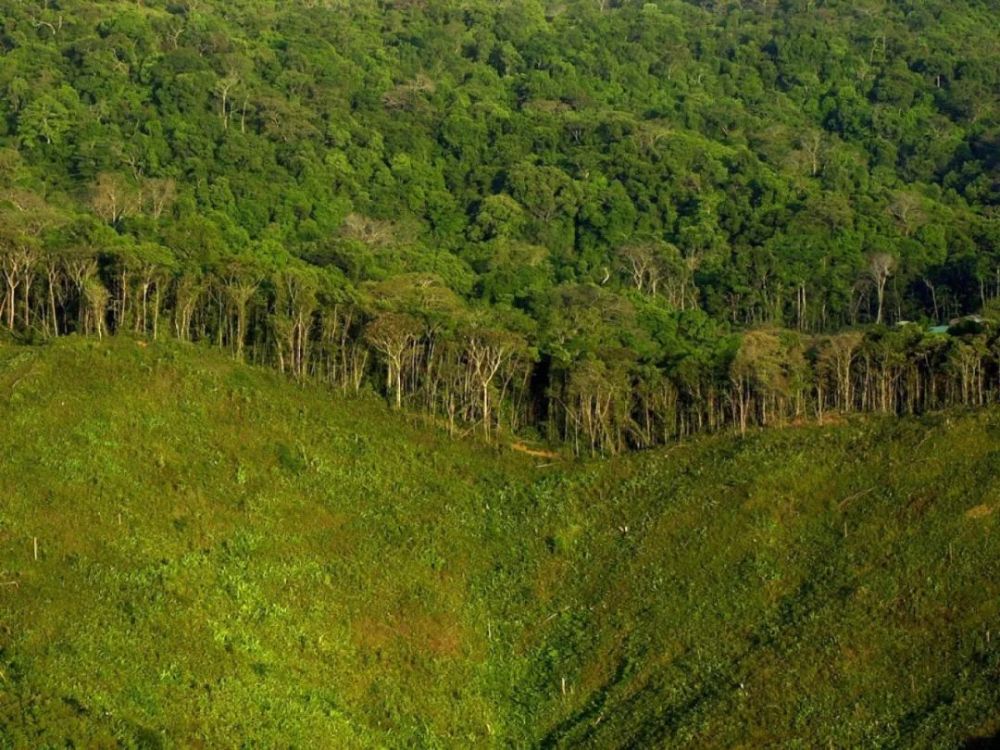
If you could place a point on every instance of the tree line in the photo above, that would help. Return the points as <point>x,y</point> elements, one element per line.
<point>604,372</point>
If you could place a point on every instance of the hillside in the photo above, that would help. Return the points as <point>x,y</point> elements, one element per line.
<point>614,223</point>
<point>225,558</point>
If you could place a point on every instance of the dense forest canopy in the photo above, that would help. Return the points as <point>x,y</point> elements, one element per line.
<point>612,221</point>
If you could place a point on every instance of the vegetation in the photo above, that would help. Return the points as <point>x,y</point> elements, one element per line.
<point>210,555</point>
<point>610,222</point>
<point>260,262</point>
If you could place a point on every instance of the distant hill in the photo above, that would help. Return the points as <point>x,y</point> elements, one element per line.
<point>195,552</point>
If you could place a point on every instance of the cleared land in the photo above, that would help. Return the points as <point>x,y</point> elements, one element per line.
<point>224,557</point>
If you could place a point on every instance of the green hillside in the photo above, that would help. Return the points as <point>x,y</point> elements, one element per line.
<point>225,558</point>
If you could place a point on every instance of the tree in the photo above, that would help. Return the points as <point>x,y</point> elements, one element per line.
<point>80,266</point>
<point>880,268</point>
<point>224,88</point>
<point>112,198</point>
<point>43,119</point>
<point>19,255</point>
<point>758,373</point>
<point>640,264</point>
<point>658,268</point>
<point>906,209</point>
<point>546,192</point>
<point>393,335</point>
<point>159,195</point>
<point>241,277</point>
<point>189,288</point>
<point>499,216</point>
<point>598,390</point>
<point>24,217</point>
<point>153,265</point>
<point>489,350</point>
<point>295,290</point>
<point>836,361</point>
<point>95,297</point>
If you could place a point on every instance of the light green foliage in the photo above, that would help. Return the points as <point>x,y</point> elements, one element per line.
<point>227,558</point>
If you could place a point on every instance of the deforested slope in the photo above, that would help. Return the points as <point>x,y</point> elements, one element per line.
<point>228,558</point>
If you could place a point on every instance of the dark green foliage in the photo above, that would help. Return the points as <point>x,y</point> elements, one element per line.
<point>236,170</point>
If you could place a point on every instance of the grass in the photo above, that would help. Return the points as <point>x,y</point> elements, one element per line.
<point>227,559</point>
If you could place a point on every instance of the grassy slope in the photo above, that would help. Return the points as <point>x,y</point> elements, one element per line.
<point>814,587</point>
<point>224,556</point>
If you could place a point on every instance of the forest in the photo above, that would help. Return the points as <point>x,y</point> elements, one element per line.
<point>604,223</point>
